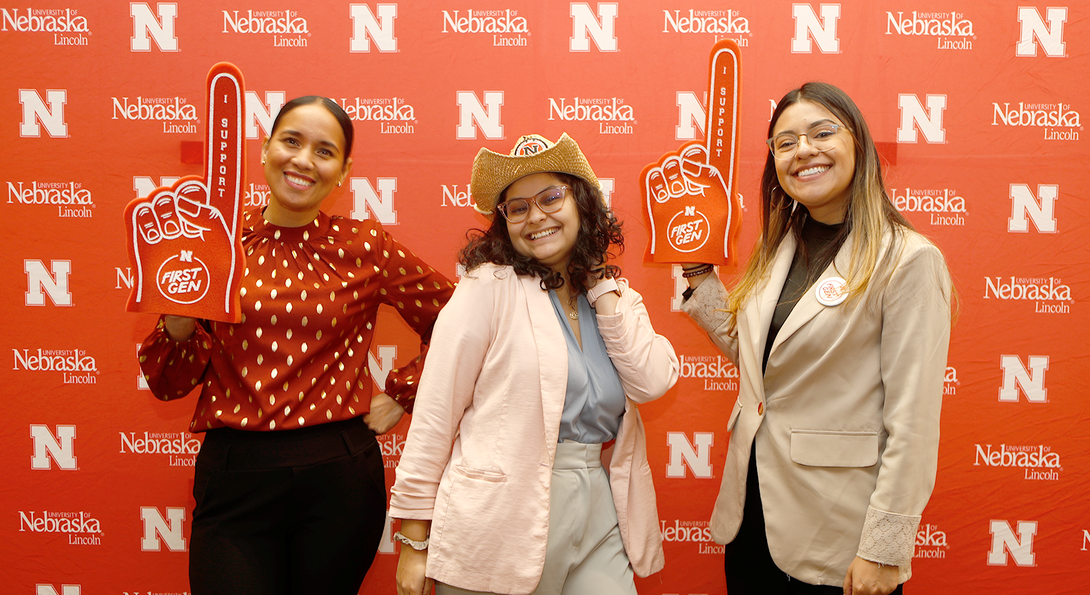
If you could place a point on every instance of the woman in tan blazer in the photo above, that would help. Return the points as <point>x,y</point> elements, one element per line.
<point>536,364</point>
<point>839,327</point>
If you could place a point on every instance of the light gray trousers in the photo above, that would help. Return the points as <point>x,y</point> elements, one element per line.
<point>584,554</point>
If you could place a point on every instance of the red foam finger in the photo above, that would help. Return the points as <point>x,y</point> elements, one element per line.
<point>184,240</point>
<point>695,169</point>
<point>674,179</point>
<point>699,220</point>
<point>724,91</point>
<point>224,160</point>
<point>166,215</point>
<point>192,209</point>
<point>200,216</point>
<point>145,222</point>
<point>656,185</point>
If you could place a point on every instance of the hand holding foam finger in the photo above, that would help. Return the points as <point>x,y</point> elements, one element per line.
<point>184,240</point>
<point>691,223</point>
<point>692,206</point>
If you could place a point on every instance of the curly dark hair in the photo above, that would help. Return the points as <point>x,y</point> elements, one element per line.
<point>599,241</point>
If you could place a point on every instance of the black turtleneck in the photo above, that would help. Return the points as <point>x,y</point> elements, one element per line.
<point>812,256</point>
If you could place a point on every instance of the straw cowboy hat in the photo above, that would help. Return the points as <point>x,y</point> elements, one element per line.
<point>493,173</point>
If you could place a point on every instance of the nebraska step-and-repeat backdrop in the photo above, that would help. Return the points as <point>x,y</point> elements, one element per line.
<point>977,106</point>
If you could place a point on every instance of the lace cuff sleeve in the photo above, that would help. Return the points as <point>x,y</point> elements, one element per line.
<point>888,538</point>
<point>708,303</point>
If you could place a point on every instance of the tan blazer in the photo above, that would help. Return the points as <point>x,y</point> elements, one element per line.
<point>845,418</point>
<point>479,454</point>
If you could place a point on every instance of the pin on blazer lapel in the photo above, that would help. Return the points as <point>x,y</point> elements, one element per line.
<point>808,305</point>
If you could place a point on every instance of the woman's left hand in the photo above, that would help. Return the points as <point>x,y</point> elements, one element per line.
<point>384,414</point>
<point>870,578</point>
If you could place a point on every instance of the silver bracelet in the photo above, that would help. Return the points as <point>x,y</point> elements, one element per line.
<point>416,545</point>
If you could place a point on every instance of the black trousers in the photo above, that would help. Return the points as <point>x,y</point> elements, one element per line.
<point>749,565</point>
<point>287,512</point>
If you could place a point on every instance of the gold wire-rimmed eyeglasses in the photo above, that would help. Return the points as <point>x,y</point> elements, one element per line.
<point>785,144</point>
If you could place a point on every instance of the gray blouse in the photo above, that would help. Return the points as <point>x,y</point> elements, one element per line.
<point>595,398</point>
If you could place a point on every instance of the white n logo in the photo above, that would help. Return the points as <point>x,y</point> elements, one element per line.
<point>381,29</point>
<point>40,282</point>
<point>1041,209</point>
<point>585,25</point>
<point>257,113</point>
<point>470,110</point>
<point>41,589</point>
<point>1003,541</point>
<point>380,367</point>
<point>59,447</point>
<point>35,111</point>
<point>607,184</point>
<point>913,115</point>
<point>364,199</point>
<point>680,285</point>
<point>386,545</point>
<point>1031,381</point>
<point>145,24</point>
<point>141,382</point>
<point>1051,38</point>
<point>690,116</point>
<point>123,278</point>
<point>157,530</point>
<point>698,459</point>
<point>145,185</point>
<point>808,26</point>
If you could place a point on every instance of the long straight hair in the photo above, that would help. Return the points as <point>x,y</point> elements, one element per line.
<point>869,213</point>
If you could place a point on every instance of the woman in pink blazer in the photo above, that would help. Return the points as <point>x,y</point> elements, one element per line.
<point>839,327</point>
<point>537,362</point>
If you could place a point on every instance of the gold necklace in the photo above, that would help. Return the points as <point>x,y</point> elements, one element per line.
<point>573,314</point>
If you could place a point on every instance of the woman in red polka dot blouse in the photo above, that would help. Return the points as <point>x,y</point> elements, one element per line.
<point>289,485</point>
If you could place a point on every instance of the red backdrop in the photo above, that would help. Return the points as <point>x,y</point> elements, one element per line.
<point>977,106</point>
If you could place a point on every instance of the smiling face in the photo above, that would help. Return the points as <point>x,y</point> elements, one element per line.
<point>820,181</point>
<point>304,161</point>
<point>546,237</point>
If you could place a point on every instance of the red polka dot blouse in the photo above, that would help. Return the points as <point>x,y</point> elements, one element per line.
<point>299,356</point>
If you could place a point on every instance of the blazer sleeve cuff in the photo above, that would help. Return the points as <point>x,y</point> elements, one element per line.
<point>888,538</point>
<point>708,304</point>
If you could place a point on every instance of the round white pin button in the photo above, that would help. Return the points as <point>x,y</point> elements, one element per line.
<point>832,291</point>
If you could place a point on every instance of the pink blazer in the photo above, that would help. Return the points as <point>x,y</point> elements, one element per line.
<point>478,457</point>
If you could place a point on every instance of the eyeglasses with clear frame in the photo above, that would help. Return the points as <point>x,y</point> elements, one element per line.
<point>785,144</point>
<point>548,201</point>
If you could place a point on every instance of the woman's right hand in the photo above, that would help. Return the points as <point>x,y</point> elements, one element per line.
<point>410,572</point>
<point>179,328</point>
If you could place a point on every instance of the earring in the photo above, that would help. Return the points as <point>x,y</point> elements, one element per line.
<point>262,161</point>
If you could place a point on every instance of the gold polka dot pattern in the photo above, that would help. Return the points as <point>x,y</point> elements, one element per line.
<point>289,363</point>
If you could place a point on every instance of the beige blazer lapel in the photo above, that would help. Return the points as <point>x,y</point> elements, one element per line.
<point>552,357</point>
<point>770,294</point>
<point>808,306</point>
